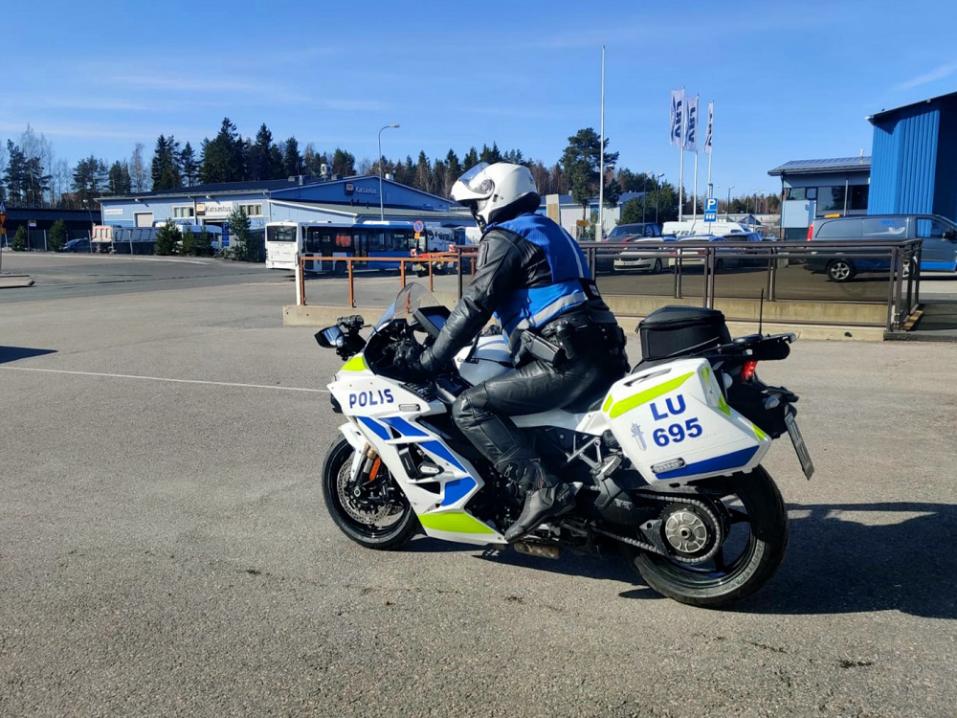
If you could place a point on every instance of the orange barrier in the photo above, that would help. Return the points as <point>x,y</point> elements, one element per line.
<point>431,260</point>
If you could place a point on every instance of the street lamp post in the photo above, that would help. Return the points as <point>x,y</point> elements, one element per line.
<point>728,211</point>
<point>657,194</point>
<point>381,200</point>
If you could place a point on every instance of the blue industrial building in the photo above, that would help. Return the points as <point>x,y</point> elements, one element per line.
<point>914,165</point>
<point>299,199</point>
<point>811,189</point>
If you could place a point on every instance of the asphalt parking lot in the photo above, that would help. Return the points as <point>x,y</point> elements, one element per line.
<point>164,549</point>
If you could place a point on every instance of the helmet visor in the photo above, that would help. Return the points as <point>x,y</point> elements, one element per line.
<point>476,180</point>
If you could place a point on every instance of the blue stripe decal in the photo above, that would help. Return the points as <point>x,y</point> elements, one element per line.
<point>456,489</point>
<point>403,427</point>
<point>439,450</point>
<point>937,266</point>
<point>376,427</point>
<point>734,460</point>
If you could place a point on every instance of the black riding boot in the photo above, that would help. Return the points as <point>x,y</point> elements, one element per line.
<point>547,498</point>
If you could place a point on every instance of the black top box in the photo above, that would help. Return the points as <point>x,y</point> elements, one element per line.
<point>675,330</point>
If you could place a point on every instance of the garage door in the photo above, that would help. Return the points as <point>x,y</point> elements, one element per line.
<point>144,219</point>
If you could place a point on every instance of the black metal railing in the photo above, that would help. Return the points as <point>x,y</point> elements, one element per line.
<point>873,272</point>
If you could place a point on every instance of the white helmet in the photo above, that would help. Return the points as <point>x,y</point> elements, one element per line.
<point>495,192</point>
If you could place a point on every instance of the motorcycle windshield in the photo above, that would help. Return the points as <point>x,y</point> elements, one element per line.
<point>410,298</point>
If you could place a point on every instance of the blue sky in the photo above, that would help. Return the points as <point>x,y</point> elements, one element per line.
<point>790,80</point>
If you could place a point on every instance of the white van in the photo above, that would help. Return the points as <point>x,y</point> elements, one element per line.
<point>691,227</point>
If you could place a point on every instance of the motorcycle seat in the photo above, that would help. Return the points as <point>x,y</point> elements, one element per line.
<point>590,401</point>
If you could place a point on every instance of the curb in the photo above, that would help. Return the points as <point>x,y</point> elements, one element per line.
<point>15,281</point>
<point>322,316</point>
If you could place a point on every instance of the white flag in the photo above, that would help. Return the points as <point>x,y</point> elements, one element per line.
<point>691,125</point>
<point>709,135</point>
<point>677,116</point>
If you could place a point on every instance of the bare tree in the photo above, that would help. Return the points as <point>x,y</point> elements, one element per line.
<point>139,176</point>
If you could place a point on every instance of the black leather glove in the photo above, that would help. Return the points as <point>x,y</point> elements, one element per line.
<point>407,360</point>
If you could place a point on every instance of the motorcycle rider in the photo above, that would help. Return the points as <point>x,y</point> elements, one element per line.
<point>565,341</point>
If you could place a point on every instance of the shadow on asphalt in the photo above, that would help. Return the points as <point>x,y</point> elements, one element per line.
<point>8,354</point>
<point>902,559</point>
<point>836,564</point>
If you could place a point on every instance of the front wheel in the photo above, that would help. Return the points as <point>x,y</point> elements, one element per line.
<point>370,509</point>
<point>840,270</point>
<point>755,537</point>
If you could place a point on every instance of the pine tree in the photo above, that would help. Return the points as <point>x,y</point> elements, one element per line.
<point>223,156</point>
<point>14,178</point>
<point>120,181</point>
<point>258,159</point>
<point>165,170</point>
<point>89,179</point>
<point>56,237</point>
<point>580,163</point>
<point>471,159</point>
<point>423,173</point>
<point>343,163</point>
<point>36,182</point>
<point>291,159</point>
<point>188,165</point>
<point>453,171</point>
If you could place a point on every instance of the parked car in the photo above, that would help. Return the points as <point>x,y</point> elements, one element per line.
<point>636,229</point>
<point>637,259</point>
<point>76,245</point>
<point>725,258</point>
<point>938,237</point>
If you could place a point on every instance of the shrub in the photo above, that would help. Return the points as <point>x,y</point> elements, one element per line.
<point>56,237</point>
<point>202,244</point>
<point>20,239</point>
<point>167,238</point>
<point>239,232</point>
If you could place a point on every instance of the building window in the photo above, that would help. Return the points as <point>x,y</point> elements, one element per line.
<point>857,199</point>
<point>252,210</point>
<point>183,211</point>
<point>830,199</point>
<point>796,193</point>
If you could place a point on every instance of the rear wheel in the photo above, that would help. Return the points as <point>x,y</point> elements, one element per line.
<point>372,511</point>
<point>753,521</point>
<point>840,270</point>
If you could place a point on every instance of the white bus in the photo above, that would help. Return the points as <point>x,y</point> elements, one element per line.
<point>284,240</point>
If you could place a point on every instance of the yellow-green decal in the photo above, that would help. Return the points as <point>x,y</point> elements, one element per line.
<point>357,363</point>
<point>723,405</point>
<point>643,397</point>
<point>457,522</point>
<point>758,433</point>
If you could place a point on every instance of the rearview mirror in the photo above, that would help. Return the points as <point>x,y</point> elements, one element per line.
<point>330,337</point>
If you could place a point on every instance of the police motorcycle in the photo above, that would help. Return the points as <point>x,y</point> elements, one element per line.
<point>666,462</point>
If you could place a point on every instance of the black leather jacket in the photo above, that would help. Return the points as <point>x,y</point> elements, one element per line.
<point>506,262</point>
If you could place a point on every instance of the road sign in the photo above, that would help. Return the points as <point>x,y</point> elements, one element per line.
<point>711,210</point>
<point>418,225</point>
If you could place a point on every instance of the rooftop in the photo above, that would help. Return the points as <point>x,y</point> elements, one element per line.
<point>835,164</point>
<point>893,110</point>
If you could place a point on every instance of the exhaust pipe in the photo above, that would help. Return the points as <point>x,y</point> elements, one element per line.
<point>542,550</point>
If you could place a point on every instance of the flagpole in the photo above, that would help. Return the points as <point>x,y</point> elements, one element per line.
<point>681,180</point>
<point>710,145</point>
<point>600,230</point>
<point>694,198</point>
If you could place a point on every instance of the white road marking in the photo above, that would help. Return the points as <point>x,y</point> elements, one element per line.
<point>165,379</point>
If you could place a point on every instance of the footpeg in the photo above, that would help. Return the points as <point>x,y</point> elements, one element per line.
<point>533,548</point>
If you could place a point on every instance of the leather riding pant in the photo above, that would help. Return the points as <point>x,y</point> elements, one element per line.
<point>482,412</point>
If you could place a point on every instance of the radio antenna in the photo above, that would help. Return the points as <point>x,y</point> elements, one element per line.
<point>761,312</point>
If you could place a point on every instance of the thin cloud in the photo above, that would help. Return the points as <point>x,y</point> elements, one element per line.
<point>940,72</point>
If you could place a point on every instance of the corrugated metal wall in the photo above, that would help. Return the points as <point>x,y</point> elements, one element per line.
<point>945,191</point>
<point>904,161</point>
